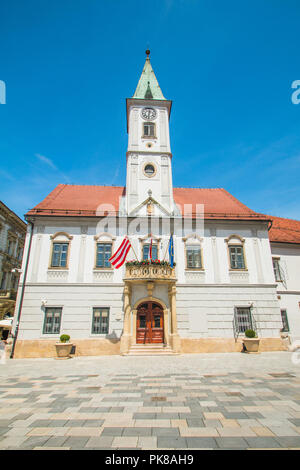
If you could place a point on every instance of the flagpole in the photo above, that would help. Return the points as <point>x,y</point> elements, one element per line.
<point>133,249</point>
<point>166,250</point>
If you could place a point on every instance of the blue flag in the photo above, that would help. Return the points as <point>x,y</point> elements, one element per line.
<point>171,251</point>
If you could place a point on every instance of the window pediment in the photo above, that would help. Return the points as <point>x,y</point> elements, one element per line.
<point>234,240</point>
<point>61,236</point>
<point>192,239</point>
<point>104,237</point>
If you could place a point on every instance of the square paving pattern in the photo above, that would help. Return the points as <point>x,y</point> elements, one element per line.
<point>234,410</point>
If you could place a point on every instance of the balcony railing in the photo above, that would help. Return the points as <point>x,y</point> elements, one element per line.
<point>151,272</point>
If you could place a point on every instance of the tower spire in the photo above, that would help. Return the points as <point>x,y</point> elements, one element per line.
<point>148,87</point>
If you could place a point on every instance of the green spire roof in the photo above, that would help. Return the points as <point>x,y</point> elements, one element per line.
<point>148,87</point>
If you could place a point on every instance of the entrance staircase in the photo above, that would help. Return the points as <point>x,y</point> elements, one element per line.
<point>150,350</point>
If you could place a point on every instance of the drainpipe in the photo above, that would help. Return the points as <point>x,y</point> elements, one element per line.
<point>22,293</point>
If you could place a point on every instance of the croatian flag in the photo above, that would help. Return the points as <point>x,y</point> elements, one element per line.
<point>118,259</point>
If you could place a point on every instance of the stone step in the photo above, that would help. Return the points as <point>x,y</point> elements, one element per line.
<point>150,350</point>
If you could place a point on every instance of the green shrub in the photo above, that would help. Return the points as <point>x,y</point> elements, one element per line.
<point>64,338</point>
<point>250,334</point>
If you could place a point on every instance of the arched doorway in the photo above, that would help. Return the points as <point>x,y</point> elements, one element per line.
<point>149,323</point>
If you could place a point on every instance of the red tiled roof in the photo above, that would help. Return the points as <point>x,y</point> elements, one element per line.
<point>82,200</point>
<point>284,230</point>
<point>85,200</point>
<point>218,203</point>
<point>69,199</point>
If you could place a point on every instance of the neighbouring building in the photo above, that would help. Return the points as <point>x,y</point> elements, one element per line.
<point>285,248</point>
<point>12,239</point>
<point>222,284</point>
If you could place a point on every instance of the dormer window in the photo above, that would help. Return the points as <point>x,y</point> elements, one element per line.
<point>149,129</point>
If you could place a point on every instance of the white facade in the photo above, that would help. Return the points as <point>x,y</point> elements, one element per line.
<point>288,287</point>
<point>205,299</point>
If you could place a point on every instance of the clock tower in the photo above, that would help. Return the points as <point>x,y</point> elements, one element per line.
<point>149,189</point>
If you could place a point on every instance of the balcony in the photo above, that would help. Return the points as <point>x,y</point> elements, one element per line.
<point>152,272</point>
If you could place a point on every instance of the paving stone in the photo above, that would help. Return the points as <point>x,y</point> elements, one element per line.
<point>173,442</point>
<point>6,422</point>
<point>76,442</point>
<point>231,443</point>
<point>137,431</point>
<point>165,432</point>
<point>236,415</point>
<point>4,430</point>
<point>295,421</point>
<point>193,422</point>
<point>55,441</point>
<point>289,442</point>
<point>144,416</point>
<point>99,442</point>
<point>94,422</point>
<point>262,442</point>
<point>125,442</point>
<point>201,442</point>
<point>167,416</point>
<point>41,423</point>
<point>147,443</point>
<point>34,441</point>
<point>110,431</point>
<point>74,423</point>
<point>283,430</point>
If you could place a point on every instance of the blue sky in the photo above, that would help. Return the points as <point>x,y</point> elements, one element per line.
<point>228,66</point>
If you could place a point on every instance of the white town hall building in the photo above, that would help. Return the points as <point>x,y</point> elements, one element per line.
<point>223,281</point>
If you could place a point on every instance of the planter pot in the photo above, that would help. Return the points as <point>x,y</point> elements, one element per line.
<point>63,350</point>
<point>251,344</point>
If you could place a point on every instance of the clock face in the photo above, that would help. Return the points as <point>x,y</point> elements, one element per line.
<point>148,114</point>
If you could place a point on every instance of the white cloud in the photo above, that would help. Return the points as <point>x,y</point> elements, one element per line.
<point>46,160</point>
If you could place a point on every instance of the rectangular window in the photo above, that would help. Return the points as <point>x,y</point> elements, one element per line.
<point>277,270</point>
<point>20,253</point>
<point>3,282</point>
<point>59,255</point>
<point>149,129</point>
<point>100,320</point>
<point>193,257</point>
<point>103,255</point>
<point>52,321</point>
<point>9,247</point>
<point>243,319</point>
<point>236,257</point>
<point>146,248</point>
<point>285,322</point>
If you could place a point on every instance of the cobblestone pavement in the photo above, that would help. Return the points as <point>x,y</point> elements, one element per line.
<point>203,401</point>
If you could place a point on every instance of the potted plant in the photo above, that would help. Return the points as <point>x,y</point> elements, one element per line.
<point>251,342</point>
<point>63,347</point>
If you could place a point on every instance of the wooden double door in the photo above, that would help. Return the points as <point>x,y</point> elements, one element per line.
<point>149,323</point>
